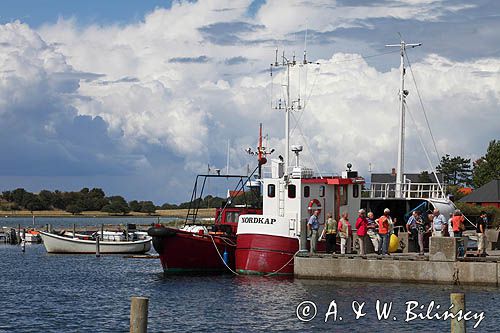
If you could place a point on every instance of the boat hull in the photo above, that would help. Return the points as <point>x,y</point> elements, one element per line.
<point>265,254</point>
<point>186,252</point>
<point>59,244</point>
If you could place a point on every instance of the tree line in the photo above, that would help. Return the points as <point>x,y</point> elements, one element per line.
<point>76,202</point>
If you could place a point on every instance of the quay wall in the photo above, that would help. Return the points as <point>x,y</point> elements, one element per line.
<point>442,265</point>
<point>401,270</point>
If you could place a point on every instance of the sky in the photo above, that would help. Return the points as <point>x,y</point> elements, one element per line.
<point>137,97</point>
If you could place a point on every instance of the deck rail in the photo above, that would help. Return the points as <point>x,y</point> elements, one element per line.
<point>408,190</point>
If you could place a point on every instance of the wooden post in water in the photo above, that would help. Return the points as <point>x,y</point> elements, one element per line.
<point>97,247</point>
<point>18,234</point>
<point>74,230</point>
<point>139,315</point>
<point>33,220</point>
<point>458,301</point>
<point>102,231</point>
<point>23,241</point>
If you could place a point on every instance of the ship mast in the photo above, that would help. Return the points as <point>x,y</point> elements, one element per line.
<point>289,104</point>
<point>402,96</point>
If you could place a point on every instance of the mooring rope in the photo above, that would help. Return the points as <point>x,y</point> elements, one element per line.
<point>220,256</point>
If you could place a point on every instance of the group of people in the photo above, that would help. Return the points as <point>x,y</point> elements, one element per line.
<point>377,231</point>
<point>440,227</point>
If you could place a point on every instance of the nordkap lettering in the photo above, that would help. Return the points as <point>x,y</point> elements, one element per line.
<point>261,220</point>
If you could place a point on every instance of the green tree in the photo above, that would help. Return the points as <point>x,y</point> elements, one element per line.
<point>135,206</point>
<point>74,209</point>
<point>148,207</point>
<point>169,206</point>
<point>117,205</point>
<point>455,170</point>
<point>487,167</point>
<point>424,177</point>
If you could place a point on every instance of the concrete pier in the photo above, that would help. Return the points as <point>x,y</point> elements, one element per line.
<point>441,266</point>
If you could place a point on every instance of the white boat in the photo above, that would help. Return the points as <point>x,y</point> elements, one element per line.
<point>59,244</point>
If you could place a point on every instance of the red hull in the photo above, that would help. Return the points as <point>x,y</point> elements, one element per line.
<point>265,254</point>
<point>185,252</point>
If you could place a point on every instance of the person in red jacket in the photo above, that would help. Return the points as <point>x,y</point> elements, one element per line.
<point>361,226</point>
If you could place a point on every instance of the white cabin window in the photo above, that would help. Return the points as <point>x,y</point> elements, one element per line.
<point>271,190</point>
<point>322,191</point>
<point>292,191</point>
<point>307,191</point>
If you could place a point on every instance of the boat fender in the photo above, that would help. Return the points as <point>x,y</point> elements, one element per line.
<point>161,232</point>
<point>314,204</point>
<point>225,256</point>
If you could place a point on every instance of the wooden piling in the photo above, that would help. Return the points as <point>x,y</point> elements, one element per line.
<point>139,315</point>
<point>74,230</point>
<point>97,247</point>
<point>23,241</point>
<point>458,301</point>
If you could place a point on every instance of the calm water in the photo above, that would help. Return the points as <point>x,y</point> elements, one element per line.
<point>75,293</point>
<point>41,222</point>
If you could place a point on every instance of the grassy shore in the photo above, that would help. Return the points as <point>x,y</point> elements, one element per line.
<point>181,213</point>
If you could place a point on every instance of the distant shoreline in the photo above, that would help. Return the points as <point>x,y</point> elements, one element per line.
<point>180,213</point>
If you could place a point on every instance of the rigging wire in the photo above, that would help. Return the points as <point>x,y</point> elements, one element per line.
<point>308,148</point>
<point>425,150</point>
<point>422,105</point>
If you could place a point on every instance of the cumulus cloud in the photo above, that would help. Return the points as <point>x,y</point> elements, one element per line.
<point>157,100</point>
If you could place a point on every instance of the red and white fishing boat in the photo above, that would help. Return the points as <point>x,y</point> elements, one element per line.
<point>198,248</point>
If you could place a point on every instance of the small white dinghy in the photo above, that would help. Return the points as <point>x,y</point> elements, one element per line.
<point>60,244</point>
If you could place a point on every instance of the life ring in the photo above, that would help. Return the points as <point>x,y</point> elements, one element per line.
<point>311,207</point>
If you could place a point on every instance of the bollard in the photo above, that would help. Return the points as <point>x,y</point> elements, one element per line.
<point>97,247</point>
<point>458,301</point>
<point>139,315</point>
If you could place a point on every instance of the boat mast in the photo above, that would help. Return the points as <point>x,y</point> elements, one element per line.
<point>402,96</point>
<point>289,107</point>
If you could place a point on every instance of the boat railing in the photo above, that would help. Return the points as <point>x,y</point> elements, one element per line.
<point>408,190</point>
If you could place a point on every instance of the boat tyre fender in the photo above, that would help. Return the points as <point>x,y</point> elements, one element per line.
<point>161,232</point>
<point>314,204</point>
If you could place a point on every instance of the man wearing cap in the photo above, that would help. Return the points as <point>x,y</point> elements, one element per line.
<point>313,225</point>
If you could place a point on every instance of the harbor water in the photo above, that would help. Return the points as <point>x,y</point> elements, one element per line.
<point>77,293</point>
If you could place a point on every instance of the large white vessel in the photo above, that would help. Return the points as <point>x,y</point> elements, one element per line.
<point>267,244</point>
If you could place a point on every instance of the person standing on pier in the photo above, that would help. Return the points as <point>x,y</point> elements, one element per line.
<point>313,225</point>
<point>330,233</point>
<point>345,233</point>
<point>420,230</point>
<point>361,224</point>
<point>481,223</point>
<point>458,223</point>
<point>411,227</point>
<point>450,225</point>
<point>384,223</point>
<point>438,222</point>
<point>371,231</point>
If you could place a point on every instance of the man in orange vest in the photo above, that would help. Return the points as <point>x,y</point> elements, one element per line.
<point>384,224</point>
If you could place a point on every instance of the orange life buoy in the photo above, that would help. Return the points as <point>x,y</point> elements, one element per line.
<point>311,205</point>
